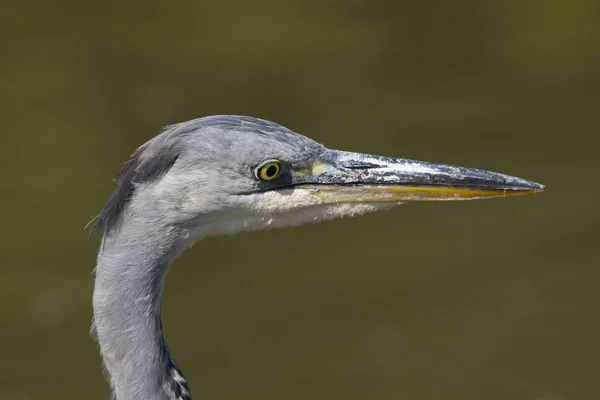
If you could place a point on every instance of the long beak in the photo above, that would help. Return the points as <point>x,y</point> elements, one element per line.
<point>344,177</point>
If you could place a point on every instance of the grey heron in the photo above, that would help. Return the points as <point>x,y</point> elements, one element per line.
<point>222,175</point>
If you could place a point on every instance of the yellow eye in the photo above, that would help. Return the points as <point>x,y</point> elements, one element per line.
<point>268,170</point>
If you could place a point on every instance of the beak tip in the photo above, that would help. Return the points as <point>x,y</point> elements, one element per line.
<point>528,187</point>
<point>537,187</point>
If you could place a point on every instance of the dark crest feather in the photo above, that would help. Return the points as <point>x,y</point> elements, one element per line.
<point>139,169</point>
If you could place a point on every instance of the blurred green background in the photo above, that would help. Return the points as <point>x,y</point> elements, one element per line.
<point>495,299</point>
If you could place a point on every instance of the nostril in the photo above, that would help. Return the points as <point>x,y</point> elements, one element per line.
<point>361,165</point>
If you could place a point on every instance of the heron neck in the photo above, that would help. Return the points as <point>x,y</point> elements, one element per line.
<point>130,275</point>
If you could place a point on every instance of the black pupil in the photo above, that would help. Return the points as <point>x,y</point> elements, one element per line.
<point>271,171</point>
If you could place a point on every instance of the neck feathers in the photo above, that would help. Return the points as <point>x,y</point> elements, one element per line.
<point>130,276</point>
<point>176,385</point>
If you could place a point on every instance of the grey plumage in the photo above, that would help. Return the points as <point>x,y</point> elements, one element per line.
<point>201,178</point>
<point>191,161</point>
<point>154,158</point>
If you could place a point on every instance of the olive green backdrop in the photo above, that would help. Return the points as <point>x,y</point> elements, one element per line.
<point>496,299</point>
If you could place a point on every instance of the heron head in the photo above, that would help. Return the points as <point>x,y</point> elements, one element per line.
<point>225,174</point>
